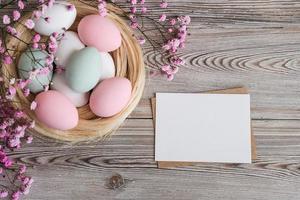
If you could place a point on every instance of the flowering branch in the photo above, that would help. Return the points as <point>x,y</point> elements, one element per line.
<point>170,33</point>
<point>173,31</point>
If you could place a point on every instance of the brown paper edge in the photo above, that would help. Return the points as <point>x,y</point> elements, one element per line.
<point>168,164</point>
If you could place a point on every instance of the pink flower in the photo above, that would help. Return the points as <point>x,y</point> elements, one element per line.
<point>44,8</point>
<point>22,169</point>
<point>29,24</point>
<point>172,45</point>
<point>102,8</point>
<point>3,125</point>
<point>53,36</point>
<point>133,9</point>
<point>175,69</point>
<point>144,10</point>
<point>177,60</point>
<point>163,4</point>
<point>19,114</point>
<point>165,68</point>
<point>3,193</point>
<point>29,139</point>
<point>172,21</point>
<point>16,195</point>
<point>3,134</point>
<point>35,45</point>
<point>3,157</point>
<point>101,5</point>
<point>26,92</point>
<point>182,45</point>
<point>49,60</point>
<point>8,163</point>
<point>170,77</point>
<point>133,2</point>
<point>6,19</point>
<point>37,14</point>
<point>11,30</point>
<point>25,189</point>
<point>36,37</point>
<point>21,4</point>
<point>52,45</point>
<point>11,92</point>
<point>169,71</point>
<point>22,83</point>
<point>50,3</point>
<point>16,15</point>
<point>141,40</point>
<point>13,142</point>
<point>185,20</point>
<point>162,18</point>
<point>33,105</point>
<point>27,180</point>
<point>134,25</point>
<point>103,12</point>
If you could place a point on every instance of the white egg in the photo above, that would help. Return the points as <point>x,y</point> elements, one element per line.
<point>59,84</point>
<point>56,19</point>
<point>69,44</point>
<point>107,67</point>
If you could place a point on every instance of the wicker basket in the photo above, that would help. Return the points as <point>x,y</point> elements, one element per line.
<point>128,61</point>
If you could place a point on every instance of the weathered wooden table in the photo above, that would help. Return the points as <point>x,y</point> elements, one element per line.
<point>253,43</point>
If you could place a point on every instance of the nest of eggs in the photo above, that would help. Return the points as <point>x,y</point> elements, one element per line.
<point>129,63</point>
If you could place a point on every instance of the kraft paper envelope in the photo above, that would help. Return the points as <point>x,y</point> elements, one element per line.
<point>169,164</point>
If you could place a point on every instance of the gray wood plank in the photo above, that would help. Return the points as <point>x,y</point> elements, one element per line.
<point>65,171</point>
<point>253,43</point>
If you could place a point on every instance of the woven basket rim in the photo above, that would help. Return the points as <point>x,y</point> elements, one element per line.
<point>128,61</point>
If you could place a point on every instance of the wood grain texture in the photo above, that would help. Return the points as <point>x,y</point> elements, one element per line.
<point>251,43</point>
<point>80,171</point>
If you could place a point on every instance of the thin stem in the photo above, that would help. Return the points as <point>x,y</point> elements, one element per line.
<point>7,4</point>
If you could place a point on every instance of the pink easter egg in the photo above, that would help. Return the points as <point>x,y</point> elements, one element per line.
<point>56,111</point>
<point>99,32</point>
<point>110,96</point>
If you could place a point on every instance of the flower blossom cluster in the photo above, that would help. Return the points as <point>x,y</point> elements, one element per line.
<point>14,123</point>
<point>173,31</point>
<point>13,126</point>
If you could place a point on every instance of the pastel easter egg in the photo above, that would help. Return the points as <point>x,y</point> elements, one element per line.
<point>69,44</point>
<point>57,18</point>
<point>82,70</point>
<point>59,84</point>
<point>99,32</point>
<point>56,111</point>
<point>110,96</point>
<point>107,67</point>
<point>34,60</point>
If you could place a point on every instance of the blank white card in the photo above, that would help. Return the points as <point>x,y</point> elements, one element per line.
<point>203,128</point>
